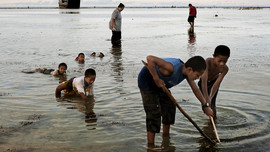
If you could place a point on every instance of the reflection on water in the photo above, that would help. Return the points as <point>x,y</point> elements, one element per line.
<point>116,64</point>
<point>69,11</point>
<point>83,106</point>
<point>166,143</point>
<point>204,143</point>
<point>191,47</point>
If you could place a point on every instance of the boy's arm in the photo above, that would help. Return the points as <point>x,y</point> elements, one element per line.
<point>54,73</point>
<point>165,68</point>
<point>58,90</point>
<point>111,23</point>
<point>218,82</point>
<point>83,95</point>
<point>200,97</point>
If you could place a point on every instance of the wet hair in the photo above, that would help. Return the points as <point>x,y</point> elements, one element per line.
<point>101,54</point>
<point>222,50</point>
<point>89,72</point>
<point>121,5</point>
<point>197,63</point>
<point>80,54</point>
<point>93,54</point>
<point>62,64</point>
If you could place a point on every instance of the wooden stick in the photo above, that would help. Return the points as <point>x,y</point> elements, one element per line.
<point>212,121</point>
<point>181,110</point>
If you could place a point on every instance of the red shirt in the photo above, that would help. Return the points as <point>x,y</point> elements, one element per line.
<point>192,11</point>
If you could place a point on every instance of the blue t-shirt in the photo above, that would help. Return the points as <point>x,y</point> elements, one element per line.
<point>146,82</point>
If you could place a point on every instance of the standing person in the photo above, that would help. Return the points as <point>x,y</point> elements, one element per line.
<point>191,17</point>
<point>216,69</point>
<point>166,72</point>
<point>115,25</point>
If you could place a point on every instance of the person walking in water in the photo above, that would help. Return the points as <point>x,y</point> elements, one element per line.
<point>115,25</point>
<point>191,17</point>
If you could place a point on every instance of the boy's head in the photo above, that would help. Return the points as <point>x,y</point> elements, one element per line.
<point>101,55</point>
<point>62,67</point>
<point>221,55</point>
<point>121,6</point>
<point>81,57</point>
<point>195,67</point>
<point>90,76</point>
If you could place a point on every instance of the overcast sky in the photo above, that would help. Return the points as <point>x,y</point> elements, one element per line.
<point>132,3</point>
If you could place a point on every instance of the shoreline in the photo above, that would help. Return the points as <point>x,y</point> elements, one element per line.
<point>102,7</point>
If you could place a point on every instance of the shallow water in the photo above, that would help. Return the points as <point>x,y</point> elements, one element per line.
<point>33,120</point>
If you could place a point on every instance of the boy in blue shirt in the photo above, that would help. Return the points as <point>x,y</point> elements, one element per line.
<point>168,72</point>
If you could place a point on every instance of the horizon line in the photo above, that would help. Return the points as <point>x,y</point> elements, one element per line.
<point>50,7</point>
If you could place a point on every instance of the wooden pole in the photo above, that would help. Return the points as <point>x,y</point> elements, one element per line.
<point>213,123</point>
<point>182,111</point>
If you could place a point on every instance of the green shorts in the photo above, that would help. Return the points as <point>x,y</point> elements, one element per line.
<point>157,105</point>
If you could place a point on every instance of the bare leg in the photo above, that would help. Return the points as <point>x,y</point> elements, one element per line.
<point>192,26</point>
<point>150,139</point>
<point>166,130</point>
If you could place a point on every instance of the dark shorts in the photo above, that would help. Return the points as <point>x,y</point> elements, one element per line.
<point>69,85</point>
<point>116,37</point>
<point>46,71</point>
<point>157,105</point>
<point>191,19</point>
<point>209,87</point>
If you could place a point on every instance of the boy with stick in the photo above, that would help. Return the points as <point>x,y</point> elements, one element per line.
<point>166,72</point>
<point>216,69</point>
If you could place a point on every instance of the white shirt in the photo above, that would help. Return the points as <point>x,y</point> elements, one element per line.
<point>80,86</point>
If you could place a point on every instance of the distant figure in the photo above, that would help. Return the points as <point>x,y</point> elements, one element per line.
<point>216,69</point>
<point>192,16</point>
<point>82,86</point>
<point>101,55</point>
<point>80,58</point>
<point>62,67</point>
<point>115,25</point>
<point>93,54</point>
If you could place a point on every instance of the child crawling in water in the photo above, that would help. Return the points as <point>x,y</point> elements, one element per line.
<point>62,67</point>
<point>82,86</point>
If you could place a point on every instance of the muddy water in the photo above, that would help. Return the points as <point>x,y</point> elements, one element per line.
<point>114,120</point>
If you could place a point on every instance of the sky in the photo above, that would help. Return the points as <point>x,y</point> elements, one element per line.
<point>135,3</point>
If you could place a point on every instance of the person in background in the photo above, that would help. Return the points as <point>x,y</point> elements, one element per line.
<point>115,25</point>
<point>216,70</point>
<point>191,17</point>
<point>80,58</point>
<point>62,67</point>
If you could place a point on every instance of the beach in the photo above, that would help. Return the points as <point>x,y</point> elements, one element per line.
<point>32,119</point>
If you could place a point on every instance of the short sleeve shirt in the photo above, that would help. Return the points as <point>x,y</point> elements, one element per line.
<point>116,15</point>
<point>146,82</point>
<point>55,73</point>
<point>80,86</point>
